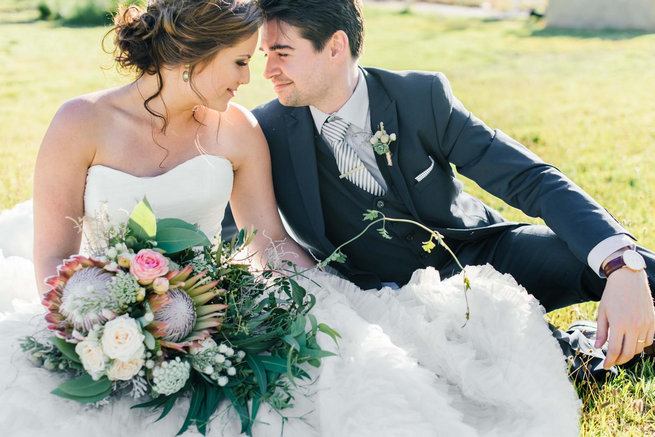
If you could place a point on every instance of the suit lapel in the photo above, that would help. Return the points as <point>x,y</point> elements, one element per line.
<point>301,140</point>
<point>383,109</point>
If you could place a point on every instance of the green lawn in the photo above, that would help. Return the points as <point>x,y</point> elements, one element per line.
<point>584,101</point>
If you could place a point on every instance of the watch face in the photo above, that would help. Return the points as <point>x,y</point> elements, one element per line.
<point>633,260</point>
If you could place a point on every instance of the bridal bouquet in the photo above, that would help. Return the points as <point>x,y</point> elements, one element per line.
<point>156,311</point>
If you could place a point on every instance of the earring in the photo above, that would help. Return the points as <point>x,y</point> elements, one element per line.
<point>185,73</point>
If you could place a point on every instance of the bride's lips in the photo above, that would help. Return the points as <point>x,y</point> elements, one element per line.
<point>232,92</point>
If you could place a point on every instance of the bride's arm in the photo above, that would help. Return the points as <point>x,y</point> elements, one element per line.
<point>59,178</point>
<point>253,200</point>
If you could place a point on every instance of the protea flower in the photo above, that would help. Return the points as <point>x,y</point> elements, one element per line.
<point>181,316</point>
<point>78,298</point>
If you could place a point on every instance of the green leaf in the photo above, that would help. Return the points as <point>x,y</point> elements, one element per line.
<point>197,398</point>
<point>291,341</point>
<point>259,371</point>
<point>68,349</point>
<point>242,409</point>
<point>85,386</point>
<point>213,397</point>
<point>298,325</point>
<point>155,403</point>
<point>297,293</point>
<point>142,223</point>
<point>149,339</point>
<point>307,353</point>
<point>82,399</point>
<point>371,214</point>
<point>166,223</point>
<point>173,240</point>
<point>273,364</point>
<point>168,406</point>
<point>329,331</point>
<point>314,322</point>
<point>383,232</point>
<point>428,246</point>
<point>255,408</point>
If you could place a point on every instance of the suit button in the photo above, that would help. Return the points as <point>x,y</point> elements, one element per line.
<point>380,204</point>
<point>409,237</point>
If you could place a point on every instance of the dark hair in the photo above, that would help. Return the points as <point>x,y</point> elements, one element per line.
<point>317,20</point>
<point>176,32</point>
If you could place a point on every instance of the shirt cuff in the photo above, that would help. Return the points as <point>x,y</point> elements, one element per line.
<point>604,249</point>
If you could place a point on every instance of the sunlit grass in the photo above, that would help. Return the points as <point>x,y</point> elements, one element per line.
<point>584,101</point>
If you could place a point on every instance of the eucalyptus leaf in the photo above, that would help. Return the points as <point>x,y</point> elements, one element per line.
<point>297,293</point>
<point>298,325</point>
<point>329,331</point>
<point>291,341</point>
<point>142,222</point>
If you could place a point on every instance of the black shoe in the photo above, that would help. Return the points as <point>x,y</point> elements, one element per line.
<point>584,359</point>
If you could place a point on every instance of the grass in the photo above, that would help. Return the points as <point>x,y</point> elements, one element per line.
<point>584,101</point>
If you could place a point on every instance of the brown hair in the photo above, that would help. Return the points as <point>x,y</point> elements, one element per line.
<point>317,20</point>
<point>175,32</point>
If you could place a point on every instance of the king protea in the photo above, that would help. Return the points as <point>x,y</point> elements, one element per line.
<point>78,298</point>
<point>182,316</point>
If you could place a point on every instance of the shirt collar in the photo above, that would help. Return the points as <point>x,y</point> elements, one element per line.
<point>354,111</point>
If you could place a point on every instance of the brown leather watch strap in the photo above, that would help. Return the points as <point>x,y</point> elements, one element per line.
<point>613,265</point>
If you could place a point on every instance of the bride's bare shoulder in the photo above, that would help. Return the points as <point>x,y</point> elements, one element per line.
<point>242,129</point>
<point>77,125</point>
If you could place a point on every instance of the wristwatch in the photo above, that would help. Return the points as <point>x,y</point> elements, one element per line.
<point>630,259</point>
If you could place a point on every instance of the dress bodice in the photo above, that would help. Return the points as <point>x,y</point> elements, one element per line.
<point>196,191</point>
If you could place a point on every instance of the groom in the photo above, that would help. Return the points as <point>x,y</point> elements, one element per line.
<point>327,174</point>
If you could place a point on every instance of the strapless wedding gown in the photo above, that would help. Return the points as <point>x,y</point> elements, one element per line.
<point>406,365</point>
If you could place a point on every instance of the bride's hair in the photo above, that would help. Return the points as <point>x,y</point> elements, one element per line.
<point>179,32</point>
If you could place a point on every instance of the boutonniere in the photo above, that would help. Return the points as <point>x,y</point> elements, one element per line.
<point>381,140</point>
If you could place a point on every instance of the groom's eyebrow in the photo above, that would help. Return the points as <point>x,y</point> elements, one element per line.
<point>278,47</point>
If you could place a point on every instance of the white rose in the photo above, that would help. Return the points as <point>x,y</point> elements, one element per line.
<point>93,358</point>
<point>384,138</point>
<point>124,370</point>
<point>392,137</point>
<point>122,339</point>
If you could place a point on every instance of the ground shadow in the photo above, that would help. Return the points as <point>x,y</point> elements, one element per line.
<point>612,35</point>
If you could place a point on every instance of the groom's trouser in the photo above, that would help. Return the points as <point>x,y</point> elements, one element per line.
<point>540,262</point>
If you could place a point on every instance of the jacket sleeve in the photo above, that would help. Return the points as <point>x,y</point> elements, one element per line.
<point>508,170</point>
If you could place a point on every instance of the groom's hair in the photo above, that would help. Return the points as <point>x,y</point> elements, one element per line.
<point>317,20</point>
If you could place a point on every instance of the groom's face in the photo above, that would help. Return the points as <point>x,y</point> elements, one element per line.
<point>300,75</point>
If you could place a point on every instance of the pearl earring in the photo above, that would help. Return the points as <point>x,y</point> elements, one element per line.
<point>185,73</point>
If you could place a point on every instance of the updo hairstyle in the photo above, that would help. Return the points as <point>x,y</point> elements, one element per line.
<point>176,32</point>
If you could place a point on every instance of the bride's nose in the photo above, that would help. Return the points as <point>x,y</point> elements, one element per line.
<point>245,76</point>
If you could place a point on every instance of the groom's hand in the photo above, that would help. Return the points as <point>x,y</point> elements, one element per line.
<point>626,312</point>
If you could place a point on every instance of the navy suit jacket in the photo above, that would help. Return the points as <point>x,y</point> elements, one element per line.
<point>430,122</point>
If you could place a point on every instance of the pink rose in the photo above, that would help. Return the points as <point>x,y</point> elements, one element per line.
<point>147,265</point>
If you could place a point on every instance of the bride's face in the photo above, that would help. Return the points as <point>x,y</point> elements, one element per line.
<point>220,78</point>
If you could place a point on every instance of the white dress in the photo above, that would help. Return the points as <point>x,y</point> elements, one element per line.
<point>406,365</point>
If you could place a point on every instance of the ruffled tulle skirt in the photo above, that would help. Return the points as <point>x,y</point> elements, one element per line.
<point>408,364</point>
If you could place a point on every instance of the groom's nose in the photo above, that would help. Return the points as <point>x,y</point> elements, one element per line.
<point>270,69</point>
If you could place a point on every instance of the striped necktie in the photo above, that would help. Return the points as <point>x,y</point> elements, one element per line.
<point>350,166</point>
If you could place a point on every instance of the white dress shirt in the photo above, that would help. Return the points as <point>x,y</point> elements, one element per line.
<point>356,111</point>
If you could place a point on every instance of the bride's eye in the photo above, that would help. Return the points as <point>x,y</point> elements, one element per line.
<point>242,63</point>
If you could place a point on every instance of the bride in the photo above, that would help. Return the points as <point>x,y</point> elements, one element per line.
<point>405,366</point>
